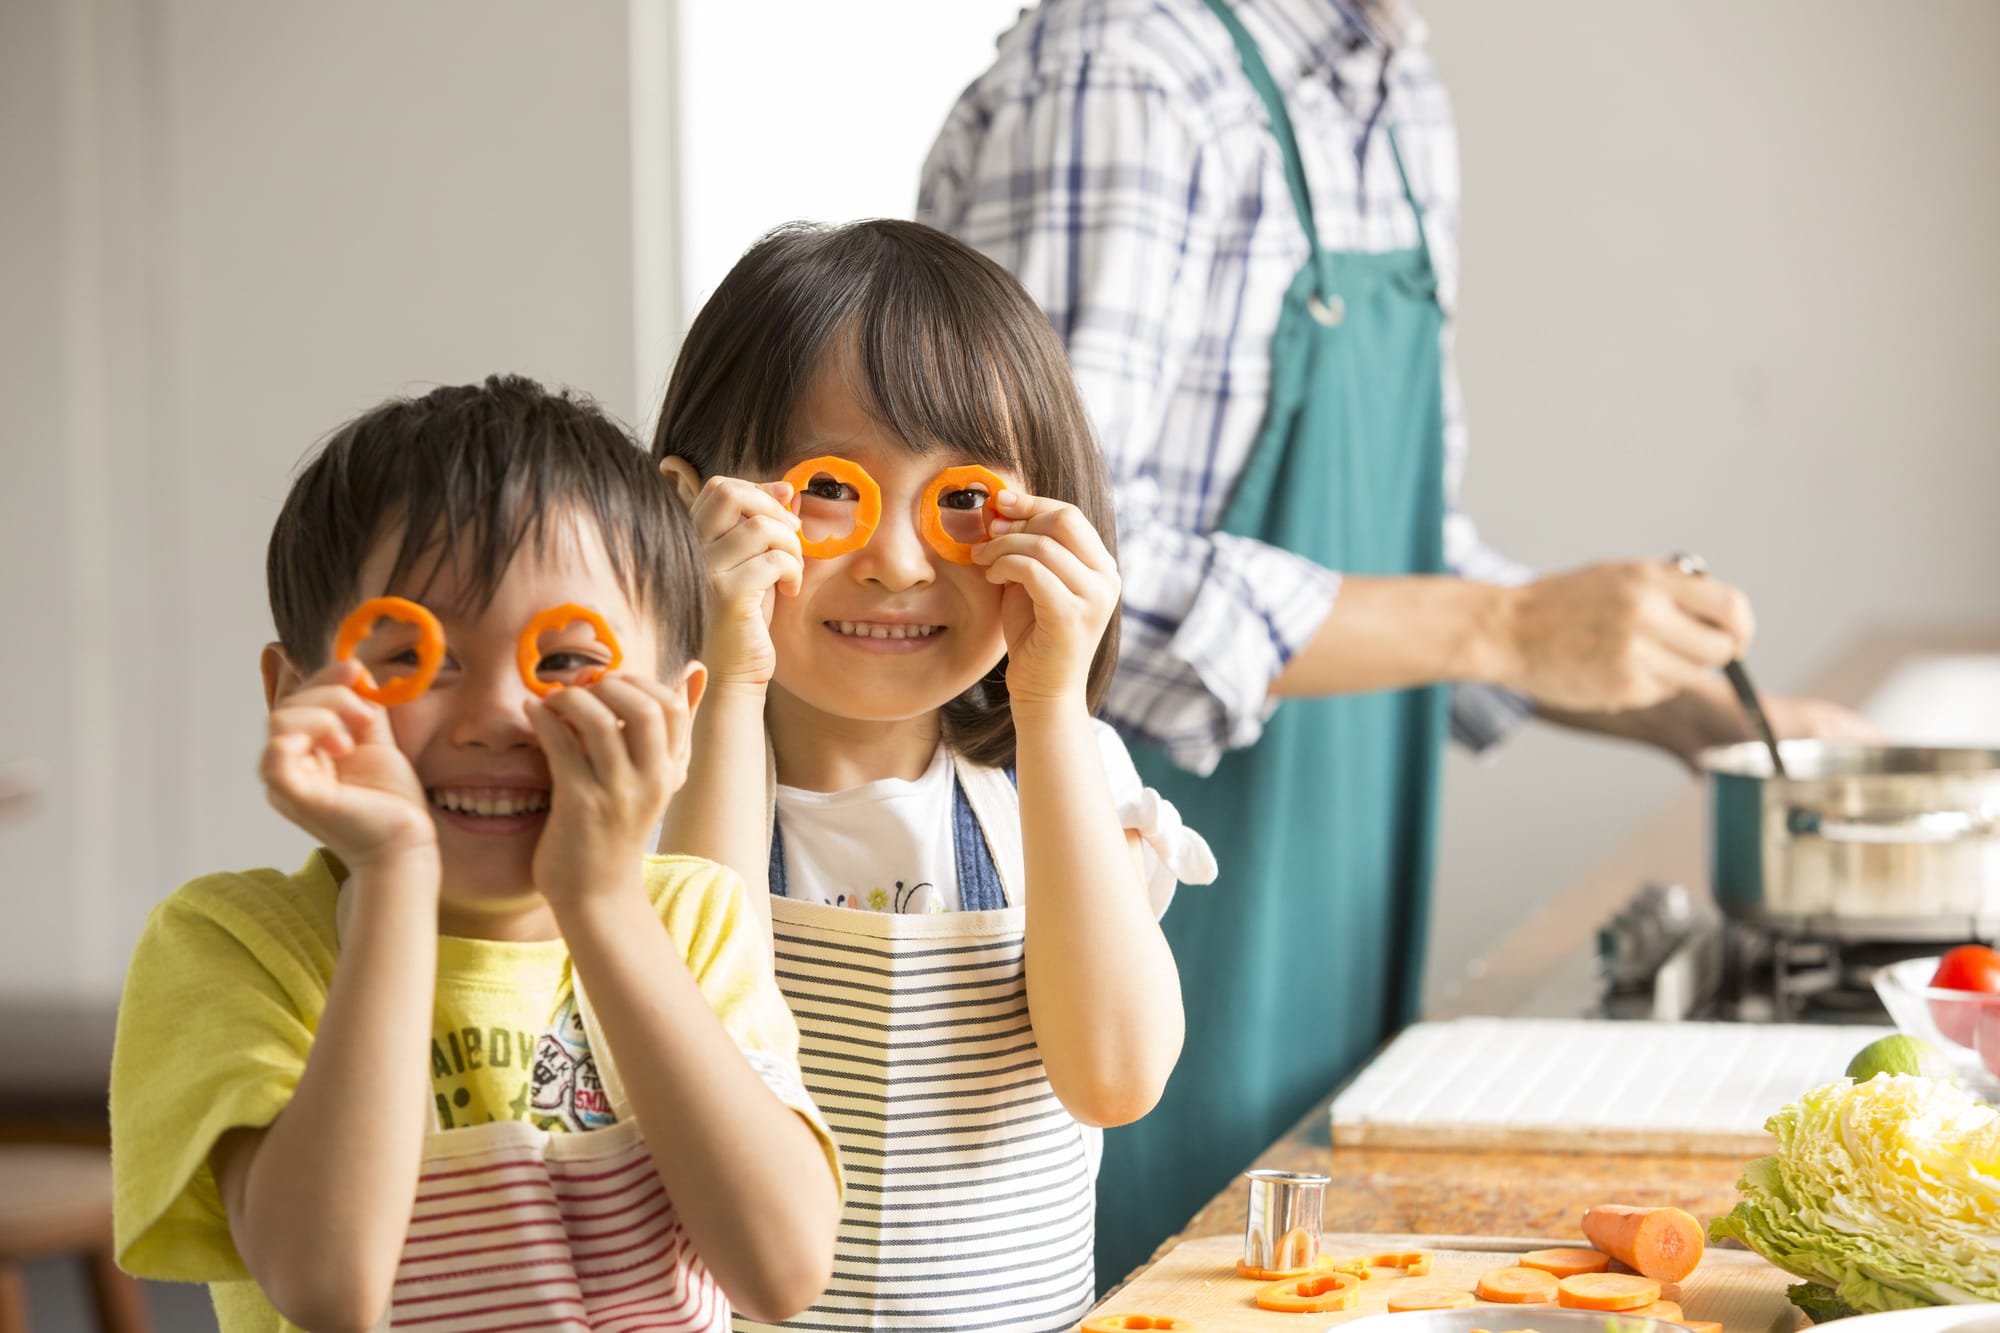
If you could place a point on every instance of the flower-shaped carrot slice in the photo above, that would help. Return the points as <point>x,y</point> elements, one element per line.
<point>868,510</point>
<point>1118,1323</point>
<point>955,478</point>
<point>360,623</point>
<point>1326,1263</point>
<point>1320,1293</point>
<point>528,650</point>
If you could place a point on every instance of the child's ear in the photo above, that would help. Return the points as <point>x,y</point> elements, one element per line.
<point>694,679</point>
<point>687,482</point>
<point>280,676</point>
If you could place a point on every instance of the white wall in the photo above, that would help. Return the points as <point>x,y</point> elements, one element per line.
<point>1731,286</point>
<point>229,226</point>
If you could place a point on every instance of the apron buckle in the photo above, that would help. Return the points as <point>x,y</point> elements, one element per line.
<point>1328,312</point>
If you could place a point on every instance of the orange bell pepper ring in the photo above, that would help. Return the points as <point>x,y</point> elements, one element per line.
<point>1321,1293</point>
<point>528,650</point>
<point>867,515</point>
<point>953,478</point>
<point>1118,1323</point>
<point>360,623</point>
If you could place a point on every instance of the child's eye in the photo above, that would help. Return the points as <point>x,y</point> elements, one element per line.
<point>967,497</point>
<point>554,665</point>
<point>824,487</point>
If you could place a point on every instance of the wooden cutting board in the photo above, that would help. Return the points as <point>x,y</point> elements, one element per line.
<point>1571,1085</point>
<point>1196,1280</point>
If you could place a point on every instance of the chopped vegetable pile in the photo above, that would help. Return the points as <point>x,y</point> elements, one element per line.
<point>1885,1193</point>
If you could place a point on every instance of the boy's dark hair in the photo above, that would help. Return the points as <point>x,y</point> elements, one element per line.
<point>951,352</point>
<point>472,472</point>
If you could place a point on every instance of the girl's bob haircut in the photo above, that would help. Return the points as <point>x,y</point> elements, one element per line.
<point>950,351</point>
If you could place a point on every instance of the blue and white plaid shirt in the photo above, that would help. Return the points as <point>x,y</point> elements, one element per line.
<point>1116,159</point>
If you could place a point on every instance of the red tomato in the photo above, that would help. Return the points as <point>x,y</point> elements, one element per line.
<point>1969,967</point>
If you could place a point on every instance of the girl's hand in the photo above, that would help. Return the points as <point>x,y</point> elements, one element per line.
<point>750,539</point>
<point>617,752</point>
<point>331,766</point>
<point>1061,588</point>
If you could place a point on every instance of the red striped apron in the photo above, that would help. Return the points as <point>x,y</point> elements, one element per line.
<point>516,1228</point>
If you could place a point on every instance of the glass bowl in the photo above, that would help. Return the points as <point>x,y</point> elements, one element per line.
<point>1963,1024</point>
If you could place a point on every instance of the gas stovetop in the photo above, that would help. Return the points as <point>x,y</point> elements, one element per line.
<point>1666,957</point>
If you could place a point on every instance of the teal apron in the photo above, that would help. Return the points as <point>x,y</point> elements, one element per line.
<point>1307,952</point>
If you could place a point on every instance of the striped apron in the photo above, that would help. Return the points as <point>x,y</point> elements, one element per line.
<point>516,1228</point>
<point>969,1187</point>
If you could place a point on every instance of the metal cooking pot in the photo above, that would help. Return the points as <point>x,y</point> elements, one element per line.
<point>1859,842</point>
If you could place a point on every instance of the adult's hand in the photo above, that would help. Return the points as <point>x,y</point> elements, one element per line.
<point>1616,637</point>
<point>1708,714</point>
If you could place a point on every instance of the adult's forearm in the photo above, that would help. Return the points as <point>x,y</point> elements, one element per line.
<point>319,1203</point>
<point>746,1174</point>
<point>1396,633</point>
<point>720,811</point>
<point>1103,992</point>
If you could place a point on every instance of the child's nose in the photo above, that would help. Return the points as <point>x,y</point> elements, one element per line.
<point>492,709</point>
<point>896,556</point>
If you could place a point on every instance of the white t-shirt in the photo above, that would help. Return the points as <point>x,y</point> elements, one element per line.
<point>887,846</point>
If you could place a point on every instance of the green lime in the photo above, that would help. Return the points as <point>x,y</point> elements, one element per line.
<point>1900,1054</point>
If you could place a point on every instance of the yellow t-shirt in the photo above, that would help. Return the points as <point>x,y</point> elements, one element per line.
<point>229,982</point>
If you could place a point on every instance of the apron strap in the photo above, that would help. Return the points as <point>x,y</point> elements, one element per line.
<point>1252,60</point>
<point>983,804</point>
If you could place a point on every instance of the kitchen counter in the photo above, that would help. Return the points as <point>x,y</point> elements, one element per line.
<point>1543,1194</point>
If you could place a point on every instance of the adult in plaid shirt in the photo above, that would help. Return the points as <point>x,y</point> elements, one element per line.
<point>1243,221</point>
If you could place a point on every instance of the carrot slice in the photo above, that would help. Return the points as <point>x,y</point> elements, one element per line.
<point>867,515</point>
<point>1326,1263</point>
<point>528,649</point>
<point>1414,1263</point>
<point>1566,1262</point>
<point>1701,1325</point>
<point>1118,1323</point>
<point>953,478</point>
<point>1663,1243</point>
<point>360,623</point>
<point>1517,1286</point>
<point>1320,1293</point>
<point>1429,1298</point>
<point>1607,1291</point>
<point>1663,1309</point>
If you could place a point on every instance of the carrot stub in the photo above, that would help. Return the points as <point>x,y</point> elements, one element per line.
<point>1566,1262</point>
<point>1414,1263</point>
<point>1517,1286</point>
<point>360,623</point>
<point>1607,1291</point>
<point>1118,1323</point>
<point>951,479</point>
<point>1429,1298</point>
<point>528,650</point>
<point>867,512</point>
<point>1318,1293</point>
<point>1663,1243</point>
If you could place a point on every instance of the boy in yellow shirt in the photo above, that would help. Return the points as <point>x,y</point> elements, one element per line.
<point>350,1096</point>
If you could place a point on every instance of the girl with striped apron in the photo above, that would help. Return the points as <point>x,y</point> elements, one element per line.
<point>969,1187</point>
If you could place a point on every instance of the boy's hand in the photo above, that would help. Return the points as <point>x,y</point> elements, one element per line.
<point>617,752</point>
<point>1062,586</point>
<point>331,766</point>
<point>750,539</point>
